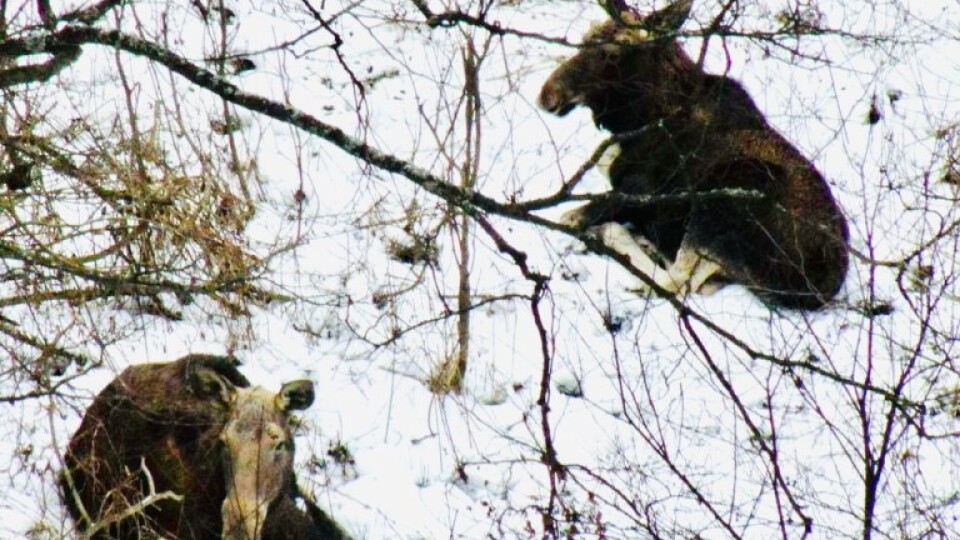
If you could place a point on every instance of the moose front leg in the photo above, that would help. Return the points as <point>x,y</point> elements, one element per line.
<point>692,272</point>
<point>619,238</point>
<point>615,236</point>
<point>587,216</point>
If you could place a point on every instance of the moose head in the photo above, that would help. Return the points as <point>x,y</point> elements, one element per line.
<point>620,63</point>
<point>189,450</point>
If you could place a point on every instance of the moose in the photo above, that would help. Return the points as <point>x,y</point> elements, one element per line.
<point>189,450</point>
<point>704,191</point>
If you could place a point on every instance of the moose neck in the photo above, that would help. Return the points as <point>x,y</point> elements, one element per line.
<point>659,84</point>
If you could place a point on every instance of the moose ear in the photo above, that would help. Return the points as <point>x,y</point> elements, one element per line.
<point>668,19</point>
<point>225,366</point>
<point>212,376</point>
<point>208,384</point>
<point>295,395</point>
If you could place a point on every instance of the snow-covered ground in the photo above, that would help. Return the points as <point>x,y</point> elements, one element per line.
<point>426,466</point>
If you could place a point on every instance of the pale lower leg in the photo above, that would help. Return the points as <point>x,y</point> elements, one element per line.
<point>691,272</point>
<point>572,218</point>
<point>618,238</point>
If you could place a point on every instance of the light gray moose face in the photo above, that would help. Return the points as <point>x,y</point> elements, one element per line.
<point>259,454</point>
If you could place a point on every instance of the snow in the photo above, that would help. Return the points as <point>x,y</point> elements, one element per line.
<point>628,377</point>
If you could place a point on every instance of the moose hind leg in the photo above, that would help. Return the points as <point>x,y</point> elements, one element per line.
<point>692,272</point>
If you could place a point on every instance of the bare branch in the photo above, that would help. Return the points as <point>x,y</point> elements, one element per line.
<point>150,499</point>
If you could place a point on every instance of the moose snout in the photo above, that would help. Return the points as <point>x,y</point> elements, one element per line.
<point>555,101</point>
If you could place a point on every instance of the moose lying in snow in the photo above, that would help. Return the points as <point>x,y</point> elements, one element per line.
<point>717,192</point>
<point>188,450</point>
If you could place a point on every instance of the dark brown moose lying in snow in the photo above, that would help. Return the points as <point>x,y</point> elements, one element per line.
<point>187,450</point>
<point>695,153</point>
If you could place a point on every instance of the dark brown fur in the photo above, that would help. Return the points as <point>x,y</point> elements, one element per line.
<point>703,133</point>
<point>169,417</point>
